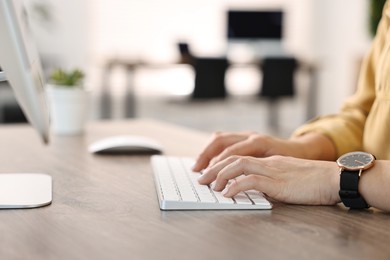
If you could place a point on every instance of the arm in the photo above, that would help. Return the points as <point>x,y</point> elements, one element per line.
<point>296,181</point>
<point>347,128</point>
<point>374,185</point>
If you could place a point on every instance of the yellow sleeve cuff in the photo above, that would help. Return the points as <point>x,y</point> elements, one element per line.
<point>345,138</point>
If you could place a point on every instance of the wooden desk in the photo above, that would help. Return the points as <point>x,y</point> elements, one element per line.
<point>105,207</point>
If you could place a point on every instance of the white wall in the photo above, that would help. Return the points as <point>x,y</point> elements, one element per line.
<point>150,29</point>
<point>339,38</point>
<point>330,33</point>
<point>64,38</point>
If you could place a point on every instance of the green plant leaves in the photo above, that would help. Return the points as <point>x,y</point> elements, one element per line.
<point>65,78</point>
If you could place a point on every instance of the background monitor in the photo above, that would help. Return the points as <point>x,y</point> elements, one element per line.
<point>21,64</point>
<point>249,24</point>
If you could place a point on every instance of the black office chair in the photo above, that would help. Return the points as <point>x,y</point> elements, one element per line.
<point>186,56</point>
<point>278,82</point>
<point>210,78</point>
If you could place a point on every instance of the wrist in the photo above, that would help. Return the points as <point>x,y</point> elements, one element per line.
<point>335,185</point>
<point>314,146</point>
<point>353,166</point>
<point>331,185</point>
<point>327,183</point>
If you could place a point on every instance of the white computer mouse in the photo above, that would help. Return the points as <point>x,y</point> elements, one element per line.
<point>125,144</point>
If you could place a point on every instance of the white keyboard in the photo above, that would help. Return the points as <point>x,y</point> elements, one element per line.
<point>178,188</point>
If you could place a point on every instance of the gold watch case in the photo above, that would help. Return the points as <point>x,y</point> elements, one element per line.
<point>356,161</point>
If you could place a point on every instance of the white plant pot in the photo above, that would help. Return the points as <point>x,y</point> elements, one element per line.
<point>69,109</point>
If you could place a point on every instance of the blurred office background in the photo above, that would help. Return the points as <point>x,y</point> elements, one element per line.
<point>129,51</point>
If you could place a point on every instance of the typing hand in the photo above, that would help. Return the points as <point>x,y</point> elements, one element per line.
<point>286,179</point>
<point>224,144</point>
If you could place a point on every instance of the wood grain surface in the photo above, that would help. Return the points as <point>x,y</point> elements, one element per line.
<point>105,207</point>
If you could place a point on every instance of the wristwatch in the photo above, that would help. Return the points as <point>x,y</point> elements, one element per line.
<point>351,167</point>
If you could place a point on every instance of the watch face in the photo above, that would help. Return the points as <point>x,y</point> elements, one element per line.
<point>356,160</point>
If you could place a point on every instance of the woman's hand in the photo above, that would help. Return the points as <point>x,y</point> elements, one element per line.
<point>222,145</point>
<point>286,179</point>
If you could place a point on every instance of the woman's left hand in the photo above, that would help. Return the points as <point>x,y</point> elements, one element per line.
<point>286,179</point>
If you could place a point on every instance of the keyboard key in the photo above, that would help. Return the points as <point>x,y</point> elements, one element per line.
<point>242,198</point>
<point>257,197</point>
<point>204,193</point>
<point>183,182</point>
<point>222,199</point>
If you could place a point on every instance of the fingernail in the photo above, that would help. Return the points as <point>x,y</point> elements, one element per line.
<point>224,191</point>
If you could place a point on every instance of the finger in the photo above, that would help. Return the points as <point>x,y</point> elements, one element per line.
<point>218,144</point>
<point>244,147</point>
<point>210,174</point>
<point>260,183</point>
<point>213,148</point>
<point>201,162</point>
<point>241,165</point>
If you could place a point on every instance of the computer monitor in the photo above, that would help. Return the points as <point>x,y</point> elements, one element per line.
<point>21,65</point>
<point>22,69</point>
<point>259,31</point>
<point>255,25</point>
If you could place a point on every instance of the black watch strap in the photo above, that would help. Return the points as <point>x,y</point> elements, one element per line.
<point>349,193</point>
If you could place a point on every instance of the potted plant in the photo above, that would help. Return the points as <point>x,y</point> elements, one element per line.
<point>68,101</point>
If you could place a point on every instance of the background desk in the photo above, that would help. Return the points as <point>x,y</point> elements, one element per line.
<point>105,207</point>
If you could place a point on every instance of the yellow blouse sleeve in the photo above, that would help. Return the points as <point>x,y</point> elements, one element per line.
<point>346,128</point>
